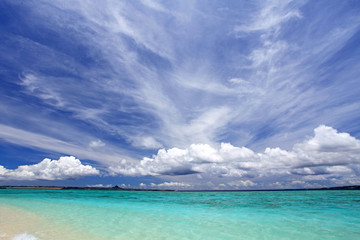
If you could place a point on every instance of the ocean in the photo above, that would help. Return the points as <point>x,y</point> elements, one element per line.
<point>88,214</point>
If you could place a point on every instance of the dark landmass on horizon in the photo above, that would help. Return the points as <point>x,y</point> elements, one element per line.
<point>116,188</point>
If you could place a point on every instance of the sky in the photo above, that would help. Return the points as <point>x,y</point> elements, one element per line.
<point>180,94</point>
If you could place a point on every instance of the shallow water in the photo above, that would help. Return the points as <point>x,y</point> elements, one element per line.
<point>189,215</point>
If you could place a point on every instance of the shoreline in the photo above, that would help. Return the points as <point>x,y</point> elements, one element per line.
<point>355,187</point>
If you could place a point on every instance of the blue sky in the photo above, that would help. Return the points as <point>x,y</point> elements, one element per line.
<point>180,94</point>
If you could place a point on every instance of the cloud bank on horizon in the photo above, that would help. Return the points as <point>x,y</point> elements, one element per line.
<point>228,91</point>
<point>327,157</point>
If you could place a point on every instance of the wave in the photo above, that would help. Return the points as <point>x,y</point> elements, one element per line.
<point>24,236</point>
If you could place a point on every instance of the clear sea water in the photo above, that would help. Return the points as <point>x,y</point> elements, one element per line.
<point>188,215</point>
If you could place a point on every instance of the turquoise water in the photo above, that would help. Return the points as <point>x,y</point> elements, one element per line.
<point>196,215</point>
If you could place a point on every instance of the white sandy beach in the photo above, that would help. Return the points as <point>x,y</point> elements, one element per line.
<point>20,224</point>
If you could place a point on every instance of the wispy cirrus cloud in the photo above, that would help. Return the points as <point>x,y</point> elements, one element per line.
<point>147,79</point>
<point>38,141</point>
<point>269,16</point>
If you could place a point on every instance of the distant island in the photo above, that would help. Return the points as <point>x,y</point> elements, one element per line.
<point>117,188</point>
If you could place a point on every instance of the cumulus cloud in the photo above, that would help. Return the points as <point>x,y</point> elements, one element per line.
<point>67,167</point>
<point>327,154</point>
<point>328,139</point>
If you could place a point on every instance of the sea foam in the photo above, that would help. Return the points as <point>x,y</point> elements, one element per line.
<point>24,236</point>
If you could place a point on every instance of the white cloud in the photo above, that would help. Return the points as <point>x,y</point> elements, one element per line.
<point>242,183</point>
<point>205,125</point>
<point>230,152</point>
<point>155,5</point>
<point>328,139</point>
<point>171,185</point>
<point>100,185</point>
<point>96,144</point>
<point>33,84</point>
<point>238,81</point>
<point>145,142</point>
<point>204,153</point>
<point>297,182</point>
<point>271,15</point>
<point>327,154</point>
<point>47,169</point>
